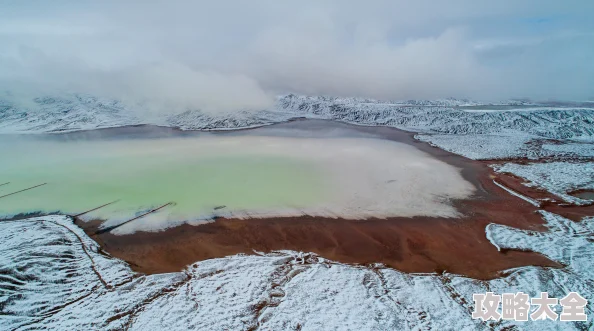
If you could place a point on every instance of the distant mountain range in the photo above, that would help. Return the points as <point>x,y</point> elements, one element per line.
<point>551,120</point>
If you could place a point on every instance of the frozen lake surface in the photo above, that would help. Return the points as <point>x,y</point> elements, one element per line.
<point>241,174</point>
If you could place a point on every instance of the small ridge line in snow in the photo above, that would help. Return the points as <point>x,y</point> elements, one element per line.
<point>90,210</point>
<point>135,218</point>
<point>133,313</point>
<point>512,192</point>
<point>84,247</point>
<point>451,291</point>
<point>60,307</point>
<point>29,188</point>
<point>490,238</point>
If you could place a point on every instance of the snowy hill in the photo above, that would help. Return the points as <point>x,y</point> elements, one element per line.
<point>80,288</point>
<point>78,112</point>
<point>560,123</point>
<point>499,131</point>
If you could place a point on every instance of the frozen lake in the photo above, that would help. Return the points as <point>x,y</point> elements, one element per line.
<point>240,174</point>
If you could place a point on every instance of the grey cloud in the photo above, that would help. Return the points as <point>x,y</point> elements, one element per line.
<point>227,55</point>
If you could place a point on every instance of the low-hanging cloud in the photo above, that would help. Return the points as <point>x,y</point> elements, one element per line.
<point>232,55</point>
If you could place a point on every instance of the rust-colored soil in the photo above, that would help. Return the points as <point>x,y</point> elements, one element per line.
<point>419,244</point>
<point>554,204</point>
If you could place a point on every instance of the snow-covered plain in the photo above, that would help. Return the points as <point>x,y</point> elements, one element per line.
<point>54,277</point>
<point>509,146</point>
<point>483,146</point>
<point>572,150</point>
<point>558,178</point>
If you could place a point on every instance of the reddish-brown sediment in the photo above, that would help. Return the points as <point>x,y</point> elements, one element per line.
<point>549,202</point>
<point>418,244</point>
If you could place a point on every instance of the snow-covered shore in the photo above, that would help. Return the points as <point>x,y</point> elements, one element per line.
<point>54,276</point>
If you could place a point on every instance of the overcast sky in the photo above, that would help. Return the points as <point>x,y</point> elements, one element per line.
<point>225,55</point>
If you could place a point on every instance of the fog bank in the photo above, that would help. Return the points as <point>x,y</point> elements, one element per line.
<point>231,55</point>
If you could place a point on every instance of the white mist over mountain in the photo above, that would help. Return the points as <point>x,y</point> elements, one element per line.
<point>234,55</point>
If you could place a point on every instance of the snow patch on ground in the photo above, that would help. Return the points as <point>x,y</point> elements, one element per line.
<point>567,242</point>
<point>482,147</point>
<point>55,277</point>
<point>79,112</point>
<point>514,145</point>
<point>514,193</point>
<point>574,150</point>
<point>558,178</point>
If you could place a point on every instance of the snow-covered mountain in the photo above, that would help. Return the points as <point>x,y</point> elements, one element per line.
<point>447,116</point>
<point>560,123</point>
<point>67,113</point>
<point>478,131</point>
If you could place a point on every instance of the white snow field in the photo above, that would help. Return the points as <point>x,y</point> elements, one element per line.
<point>507,146</point>
<point>571,150</point>
<point>233,176</point>
<point>558,178</point>
<point>82,112</point>
<point>53,277</point>
<point>483,146</point>
<point>498,131</point>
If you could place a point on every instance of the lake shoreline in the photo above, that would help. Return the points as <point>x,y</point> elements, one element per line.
<point>410,244</point>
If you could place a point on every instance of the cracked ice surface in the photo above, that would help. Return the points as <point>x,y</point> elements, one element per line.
<point>53,276</point>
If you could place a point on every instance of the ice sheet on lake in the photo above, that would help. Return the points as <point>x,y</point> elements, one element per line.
<point>237,176</point>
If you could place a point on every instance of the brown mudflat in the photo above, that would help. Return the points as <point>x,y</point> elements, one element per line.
<point>418,244</point>
<point>553,204</point>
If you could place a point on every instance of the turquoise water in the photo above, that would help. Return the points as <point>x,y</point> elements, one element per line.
<point>198,174</point>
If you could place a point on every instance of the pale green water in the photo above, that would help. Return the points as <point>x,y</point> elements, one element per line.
<point>198,174</point>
